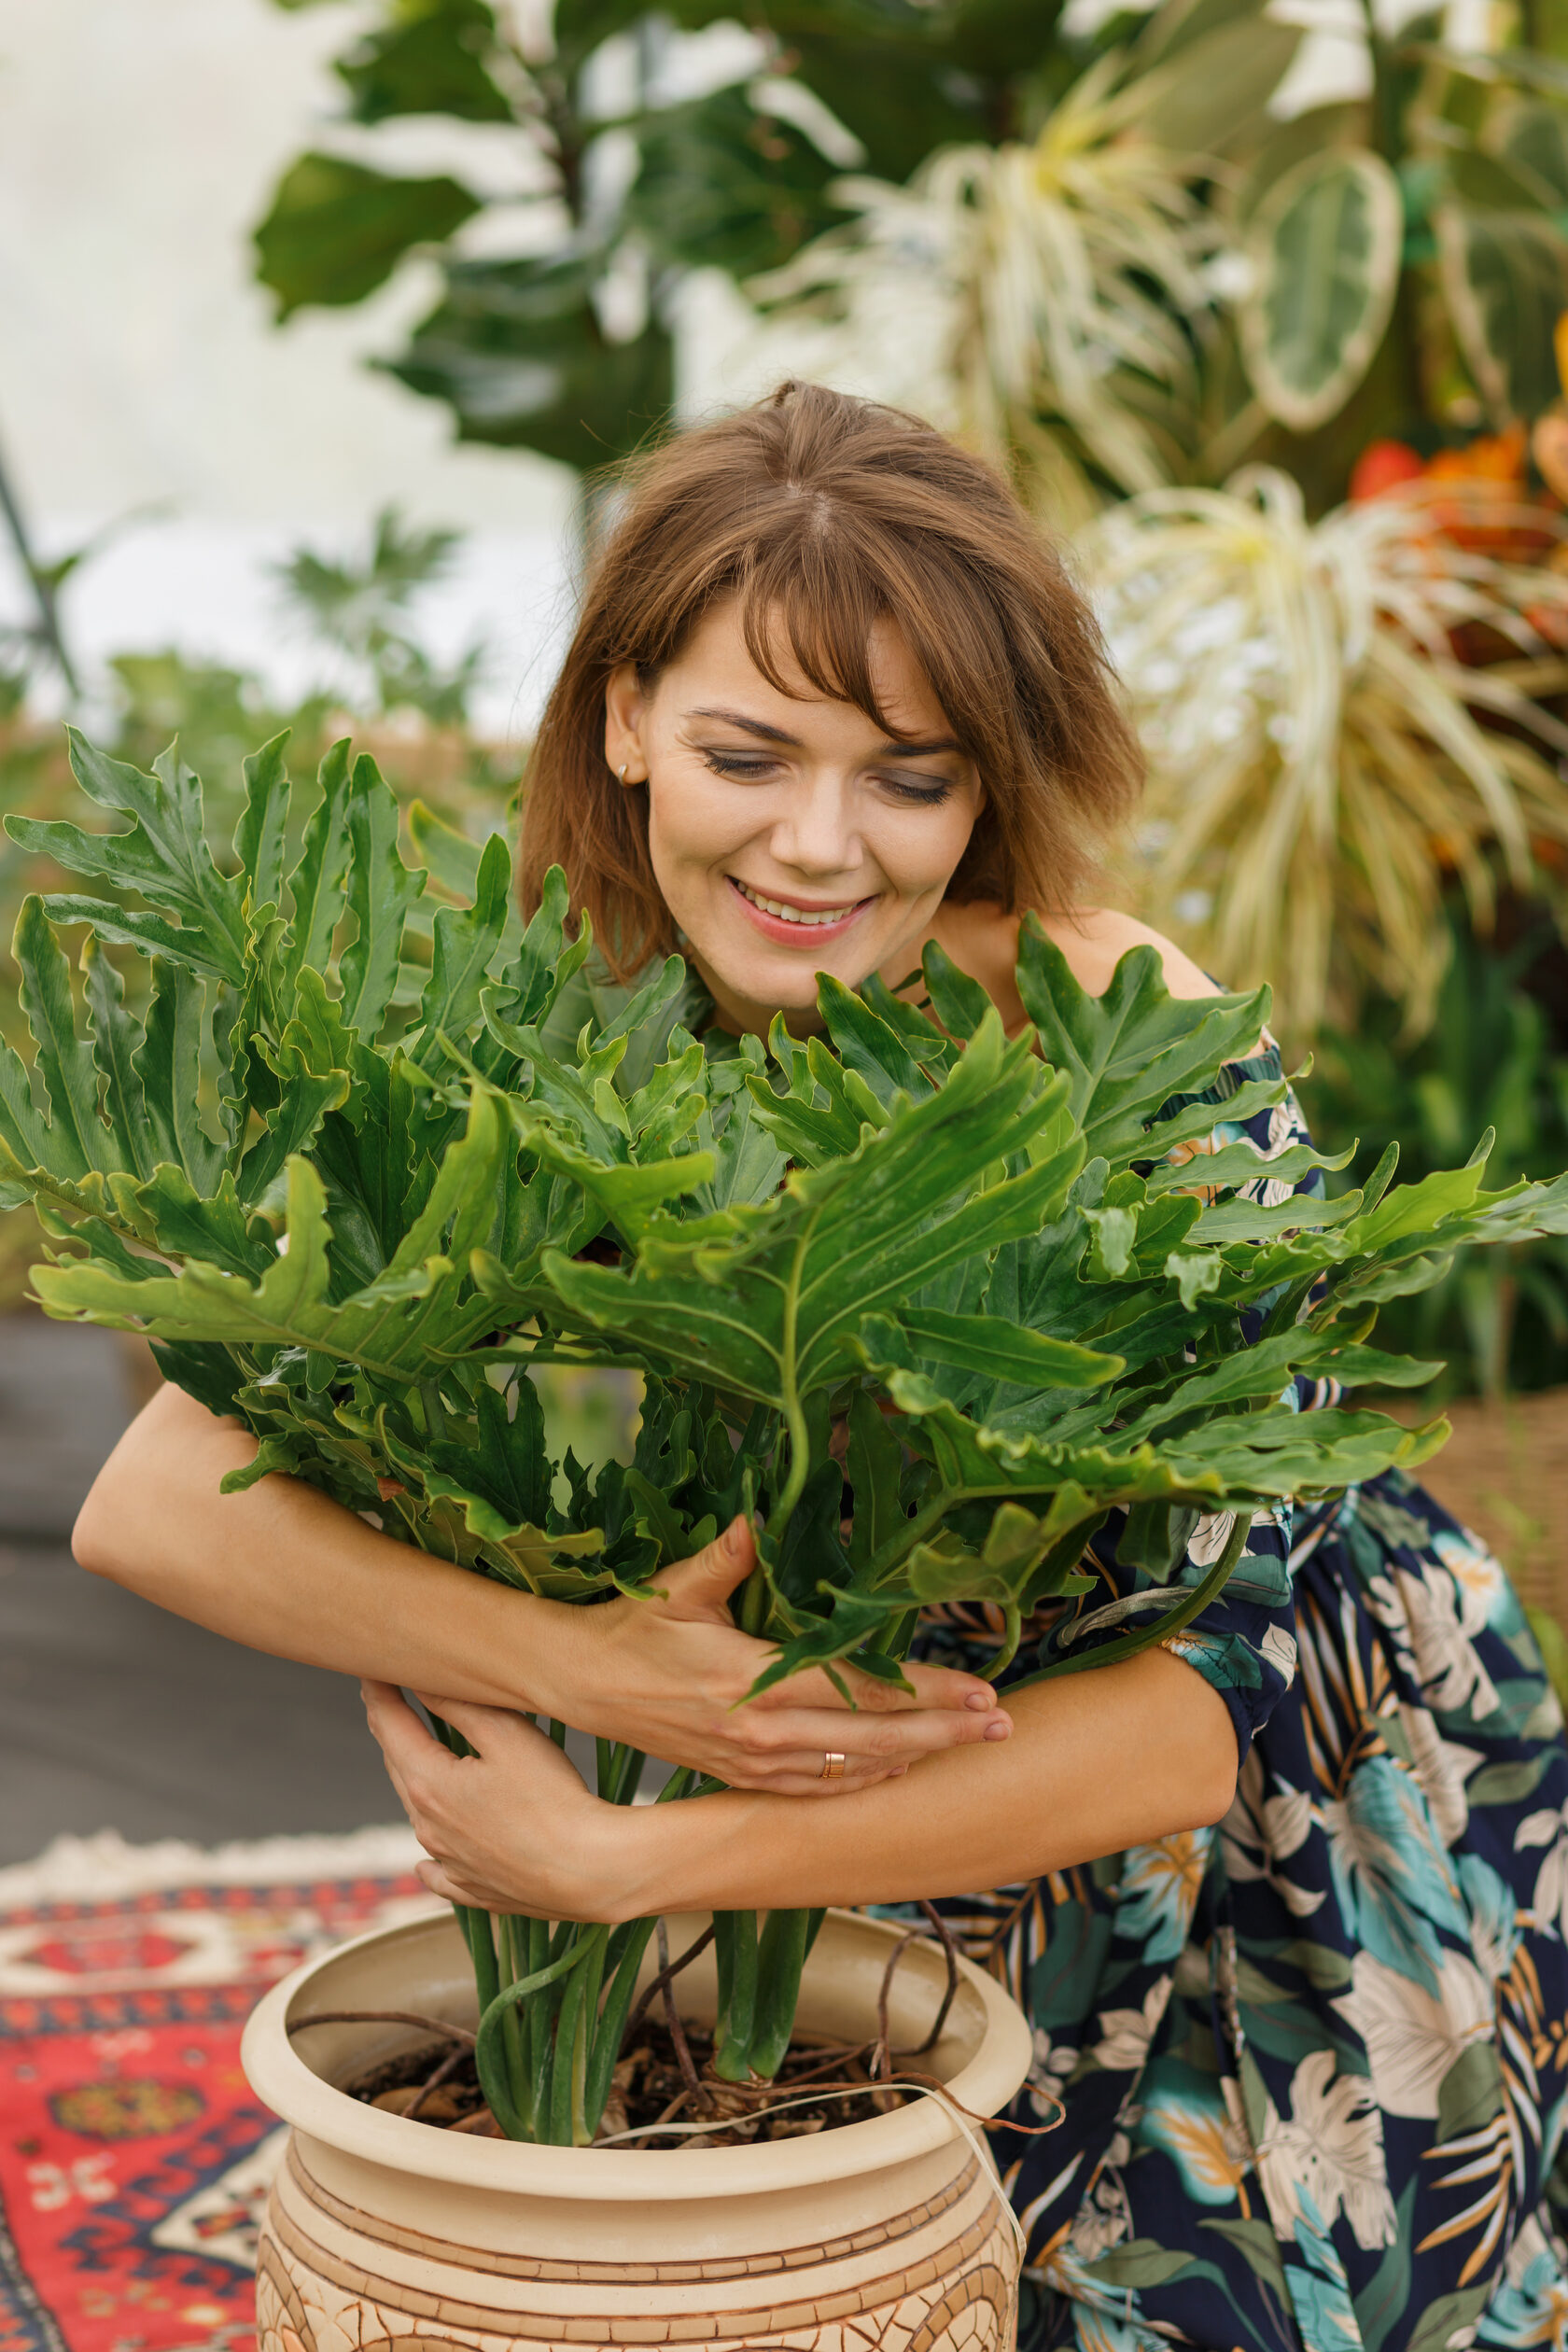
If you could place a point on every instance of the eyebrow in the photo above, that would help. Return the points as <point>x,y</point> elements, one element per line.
<point>891,750</point>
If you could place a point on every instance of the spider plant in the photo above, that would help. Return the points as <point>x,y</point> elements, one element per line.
<point>1055,287</point>
<point>1318,756</point>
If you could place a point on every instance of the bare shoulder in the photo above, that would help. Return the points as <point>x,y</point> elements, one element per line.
<point>983,941</point>
<point>1094,940</point>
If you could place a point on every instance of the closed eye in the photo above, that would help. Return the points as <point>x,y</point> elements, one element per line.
<point>926,796</point>
<point>750,767</point>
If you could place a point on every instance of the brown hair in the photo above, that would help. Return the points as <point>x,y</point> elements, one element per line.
<point>825,514</point>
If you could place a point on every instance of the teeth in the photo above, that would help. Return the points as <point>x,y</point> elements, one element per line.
<point>794,914</point>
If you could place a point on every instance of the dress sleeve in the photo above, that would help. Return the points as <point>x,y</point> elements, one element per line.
<point>1244,1641</point>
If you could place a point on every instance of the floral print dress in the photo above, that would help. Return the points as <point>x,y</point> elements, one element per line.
<point>1313,2064</point>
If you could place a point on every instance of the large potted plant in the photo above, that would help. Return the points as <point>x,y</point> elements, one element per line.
<point>932,1304</point>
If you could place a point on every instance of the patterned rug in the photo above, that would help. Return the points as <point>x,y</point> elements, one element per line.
<point>135,2159</point>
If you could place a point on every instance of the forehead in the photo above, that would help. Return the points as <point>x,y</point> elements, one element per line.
<point>716,658</point>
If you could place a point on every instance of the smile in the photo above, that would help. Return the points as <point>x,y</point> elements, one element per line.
<point>802,917</point>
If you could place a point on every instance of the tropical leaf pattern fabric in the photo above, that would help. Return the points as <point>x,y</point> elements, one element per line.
<point>1311,2066</point>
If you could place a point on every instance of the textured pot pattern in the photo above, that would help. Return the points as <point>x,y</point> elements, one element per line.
<point>381,2233</point>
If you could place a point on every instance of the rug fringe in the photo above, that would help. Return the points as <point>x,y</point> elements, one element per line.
<point>104,1867</point>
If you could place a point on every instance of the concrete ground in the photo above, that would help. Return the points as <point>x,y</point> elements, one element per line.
<point>113,1715</point>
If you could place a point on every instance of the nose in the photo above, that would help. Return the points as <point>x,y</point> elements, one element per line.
<point>816,834</point>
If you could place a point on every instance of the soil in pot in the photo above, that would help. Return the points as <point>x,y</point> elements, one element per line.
<point>655,2084</point>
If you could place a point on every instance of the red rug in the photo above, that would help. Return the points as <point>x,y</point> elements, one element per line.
<point>135,2159</point>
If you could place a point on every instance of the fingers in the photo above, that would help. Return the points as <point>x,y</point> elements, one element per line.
<point>938,1687</point>
<point>403,1740</point>
<point>453,1889</point>
<point>700,1587</point>
<point>773,1734</point>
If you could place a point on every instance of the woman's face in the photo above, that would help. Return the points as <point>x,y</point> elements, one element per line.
<point>789,834</point>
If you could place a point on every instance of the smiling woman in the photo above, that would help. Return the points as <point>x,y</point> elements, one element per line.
<point>832,703</point>
<point>830,689</point>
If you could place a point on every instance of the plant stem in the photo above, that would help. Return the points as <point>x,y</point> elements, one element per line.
<point>794,1412</point>
<point>1112,1653</point>
<point>781,1958</point>
<point>735,1938</point>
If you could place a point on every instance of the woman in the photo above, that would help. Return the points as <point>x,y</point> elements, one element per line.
<point>830,698</point>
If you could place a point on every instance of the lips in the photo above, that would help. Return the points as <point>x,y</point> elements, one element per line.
<point>801,918</point>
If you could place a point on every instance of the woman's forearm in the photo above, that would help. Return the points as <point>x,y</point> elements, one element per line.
<point>281,1567</point>
<point>1096,1762</point>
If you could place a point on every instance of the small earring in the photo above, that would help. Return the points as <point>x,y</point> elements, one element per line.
<point>621,771</point>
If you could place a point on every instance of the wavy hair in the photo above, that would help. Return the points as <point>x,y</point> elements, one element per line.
<point>825,515</point>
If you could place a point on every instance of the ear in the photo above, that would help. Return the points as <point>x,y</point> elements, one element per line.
<point>625,705</point>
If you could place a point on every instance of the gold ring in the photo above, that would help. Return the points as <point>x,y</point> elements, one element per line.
<point>833,1766</point>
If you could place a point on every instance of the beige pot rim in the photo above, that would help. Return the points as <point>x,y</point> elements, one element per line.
<point>991,2073</point>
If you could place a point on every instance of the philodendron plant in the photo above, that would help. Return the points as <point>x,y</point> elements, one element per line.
<point>932,1304</point>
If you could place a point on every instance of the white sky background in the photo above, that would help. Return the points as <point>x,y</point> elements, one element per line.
<point>139,143</point>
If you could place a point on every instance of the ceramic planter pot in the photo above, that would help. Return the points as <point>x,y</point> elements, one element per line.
<point>890,2232</point>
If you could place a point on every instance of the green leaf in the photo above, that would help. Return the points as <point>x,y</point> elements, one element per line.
<point>517,352</point>
<point>381,892</point>
<point>315,886</point>
<point>766,1302</point>
<point>1126,1054</point>
<point>429,61</point>
<point>1140,2262</point>
<point>1258,2247</point>
<point>336,230</point>
<point>1437,2325</point>
<point>451,857</point>
<point>874,1461</point>
<point>720,185</point>
<point>168,1063</point>
<point>1532,137</point>
<point>1326,250</point>
<point>78,1136</point>
<point>1028,1358</point>
<point>959,1004</point>
<point>258,838</point>
<point>163,856</point>
<point>1504,277</point>
<point>115,1036</point>
<point>1381,2305</point>
<point>467,941</point>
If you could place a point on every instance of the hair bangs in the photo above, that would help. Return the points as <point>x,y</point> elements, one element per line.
<point>827,517</point>
<point>811,595</point>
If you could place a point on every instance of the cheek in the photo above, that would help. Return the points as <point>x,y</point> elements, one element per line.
<point>919,849</point>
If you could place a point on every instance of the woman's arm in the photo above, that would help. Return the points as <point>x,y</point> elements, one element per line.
<point>1096,1762</point>
<point>283,1568</point>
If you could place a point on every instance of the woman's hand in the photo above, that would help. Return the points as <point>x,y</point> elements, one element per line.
<point>669,1674</point>
<point>510,1828</point>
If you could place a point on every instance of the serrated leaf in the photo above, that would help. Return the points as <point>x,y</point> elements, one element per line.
<point>260,833</point>
<point>1126,1053</point>
<point>315,886</point>
<point>115,1036</point>
<point>381,892</point>
<point>466,943</point>
<point>168,1062</point>
<point>79,1139</point>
